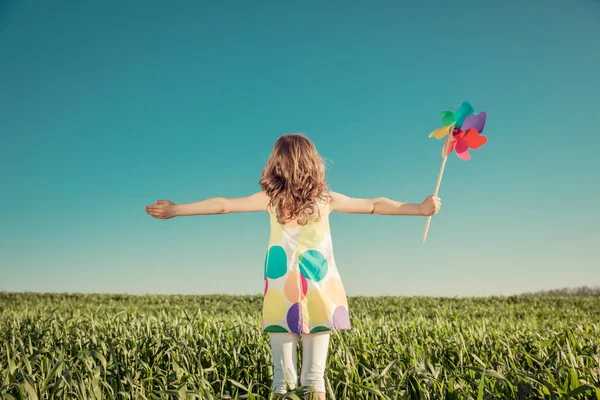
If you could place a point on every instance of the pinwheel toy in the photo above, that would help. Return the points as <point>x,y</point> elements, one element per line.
<point>462,130</point>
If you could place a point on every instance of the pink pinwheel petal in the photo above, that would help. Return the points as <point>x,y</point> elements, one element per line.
<point>476,121</point>
<point>464,155</point>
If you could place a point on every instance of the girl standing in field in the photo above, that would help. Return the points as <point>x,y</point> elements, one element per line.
<point>303,293</point>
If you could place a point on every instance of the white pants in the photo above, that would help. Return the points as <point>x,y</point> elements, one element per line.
<point>314,357</point>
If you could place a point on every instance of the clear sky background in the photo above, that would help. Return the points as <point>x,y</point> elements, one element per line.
<point>108,106</point>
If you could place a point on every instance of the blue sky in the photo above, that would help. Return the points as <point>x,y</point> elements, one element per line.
<point>107,106</point>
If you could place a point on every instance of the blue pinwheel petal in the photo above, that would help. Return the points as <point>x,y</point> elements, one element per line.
<point>465,109</point>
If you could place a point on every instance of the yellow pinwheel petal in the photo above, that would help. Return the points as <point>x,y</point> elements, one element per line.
<point>440,132</point>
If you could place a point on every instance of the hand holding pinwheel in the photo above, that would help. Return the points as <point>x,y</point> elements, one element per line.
<point>463,129</point>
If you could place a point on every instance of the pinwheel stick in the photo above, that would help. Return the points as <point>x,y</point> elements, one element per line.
<point>439,181</point>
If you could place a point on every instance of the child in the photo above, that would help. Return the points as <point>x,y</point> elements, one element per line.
<point>303,294</point>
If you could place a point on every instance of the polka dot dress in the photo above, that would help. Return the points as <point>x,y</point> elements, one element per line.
<point>303,288</point>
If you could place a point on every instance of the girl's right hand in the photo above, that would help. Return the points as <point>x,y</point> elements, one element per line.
<point>163,209</point>
<point>430,206</point>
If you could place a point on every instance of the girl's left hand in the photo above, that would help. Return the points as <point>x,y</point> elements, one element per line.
<point>163,209</point>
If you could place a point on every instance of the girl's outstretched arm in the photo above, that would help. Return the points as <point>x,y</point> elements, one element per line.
<point>164,209</point>
<point>383,206</point>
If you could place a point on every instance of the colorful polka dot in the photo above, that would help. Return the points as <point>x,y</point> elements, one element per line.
<point>275,328</point>
<point>335,291</point>
<point>294,318</point>
<point>320,329</point>
<point>274,306</point>
<point>341,320</point>
<point>295,286</point>
<point>276,262</point>
<point>319,306</point>
<point>313,265</point>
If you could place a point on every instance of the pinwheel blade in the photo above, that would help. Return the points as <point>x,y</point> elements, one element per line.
<point>465,109</point>
<point>448,150</point>
<point>464,155</point>
<point>476,121</point>
<point>447,118</point>
<point>461,145</point>
<point>440,132</point>
<point>474,139</point>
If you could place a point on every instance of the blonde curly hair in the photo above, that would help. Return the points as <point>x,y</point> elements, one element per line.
<point>294,179</point>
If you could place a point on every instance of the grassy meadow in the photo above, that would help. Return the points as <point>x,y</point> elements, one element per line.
<point>82,346</point>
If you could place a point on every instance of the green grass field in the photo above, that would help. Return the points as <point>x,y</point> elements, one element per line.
<point>211,347</point>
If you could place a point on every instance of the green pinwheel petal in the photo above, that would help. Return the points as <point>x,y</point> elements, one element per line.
<point>447,118</point>
<point>465,109</point>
